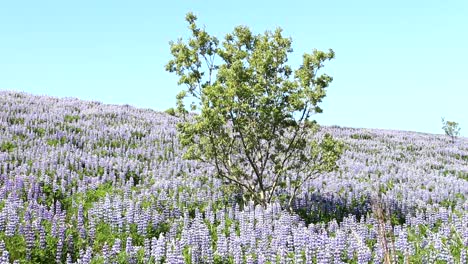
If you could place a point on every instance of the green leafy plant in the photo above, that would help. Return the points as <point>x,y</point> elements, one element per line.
<point>16,120</point>
<point>171,111</point>
<point>71,118</point>
<point>7,146</point>
<point>253,111</point>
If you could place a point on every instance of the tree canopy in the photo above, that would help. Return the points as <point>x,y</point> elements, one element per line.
<point>252,111</point>
<point>451,129</point>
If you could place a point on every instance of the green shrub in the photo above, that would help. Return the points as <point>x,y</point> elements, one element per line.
<point>361,136</point>
<point>170,111</point>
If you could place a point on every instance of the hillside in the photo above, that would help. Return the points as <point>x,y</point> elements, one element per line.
<point>86,182</point>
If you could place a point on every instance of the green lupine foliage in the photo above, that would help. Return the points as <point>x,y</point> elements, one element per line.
<point>253,111</point>
<point>7,146</point>
<point>71,118</point>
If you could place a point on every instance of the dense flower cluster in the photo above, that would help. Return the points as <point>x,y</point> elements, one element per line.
<point>85,182</point>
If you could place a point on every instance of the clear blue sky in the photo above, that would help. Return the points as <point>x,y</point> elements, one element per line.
<point>399,64</point>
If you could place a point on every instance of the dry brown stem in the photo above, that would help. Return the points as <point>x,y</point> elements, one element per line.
<point>385,237</point>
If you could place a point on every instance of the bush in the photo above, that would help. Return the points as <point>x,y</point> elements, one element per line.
<point>170,111</point>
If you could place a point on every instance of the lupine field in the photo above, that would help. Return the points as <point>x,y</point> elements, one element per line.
<point>86,182</point>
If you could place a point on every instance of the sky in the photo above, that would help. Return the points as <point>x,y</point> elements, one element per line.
<point>399,64</point>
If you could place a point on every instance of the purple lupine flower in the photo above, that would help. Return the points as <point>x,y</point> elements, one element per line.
<point>210,216</point>
<point>59,247</point>
<point>117,217</point>
<point>105,253</point>
<point>364,255</point>
<point>221,245</point>
<point>2,245</point>
<point>42,237</point>
<point>88,255</point>
<point>129,246</point>
<point>174,254</point>
<point>29,239</point>
<point>129,249</point>
<point>147,247</point>
<point>58,208</point>
<point>261,258</point>
<point>85,256</point>
<point>12,222</point>
<point>323,255</point>
<point>463,257</point>
<point>309,255</point>
<point>155,250</point>
<point>141,223</point>
<point>5,257</point>
<point>445,255</point>
<point>116,247</point>
<point>91,229</point>
<point>236,250</point>
<point>80,220</point>
<point>3,214</point>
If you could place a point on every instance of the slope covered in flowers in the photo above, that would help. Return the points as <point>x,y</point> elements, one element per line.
<point>85,182</point>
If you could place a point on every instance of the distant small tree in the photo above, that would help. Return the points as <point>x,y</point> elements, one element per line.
<point>171,111</point>
<point>252,111</point>
<point>451,129</point>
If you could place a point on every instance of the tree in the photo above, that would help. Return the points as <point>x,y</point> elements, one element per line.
<point>252,111</point>
<point>451,129</point>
